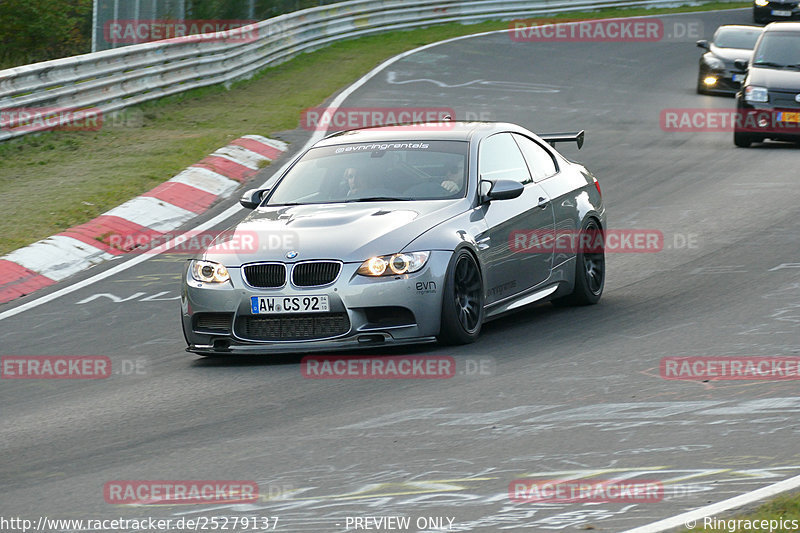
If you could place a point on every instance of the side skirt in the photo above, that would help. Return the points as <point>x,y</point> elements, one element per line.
<point>520,300</point>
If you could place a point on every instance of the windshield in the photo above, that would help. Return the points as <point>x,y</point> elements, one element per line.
<point>778,49</point>
<point>737,38</point>
<point>401,170</point>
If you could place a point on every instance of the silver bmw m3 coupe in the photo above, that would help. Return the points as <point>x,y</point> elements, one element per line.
<point>398,235</point>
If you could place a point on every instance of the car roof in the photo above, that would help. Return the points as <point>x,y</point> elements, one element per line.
<point>741,27</point>
<point>429,131</point>
<point>783,26</point>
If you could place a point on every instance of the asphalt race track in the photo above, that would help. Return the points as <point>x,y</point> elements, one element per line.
<point>564,393</point>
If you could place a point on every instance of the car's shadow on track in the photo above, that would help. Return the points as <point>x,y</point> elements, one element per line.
<point>722,96</point>
<point>514,324</point>
<point>774,145</point>
<point>297,358</point>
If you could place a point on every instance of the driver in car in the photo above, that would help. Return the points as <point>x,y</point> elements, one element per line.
<point>355,183</point>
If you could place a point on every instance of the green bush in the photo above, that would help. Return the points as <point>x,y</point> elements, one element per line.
<point>38,30</point>
<point>270,8</point>
<point>236,9</point>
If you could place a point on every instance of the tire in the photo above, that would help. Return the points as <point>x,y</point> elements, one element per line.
<point>590,274</point>
<point>742,140</point>
<point>462,304</point>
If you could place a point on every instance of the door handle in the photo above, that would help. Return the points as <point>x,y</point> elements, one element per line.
<point>543,202</point>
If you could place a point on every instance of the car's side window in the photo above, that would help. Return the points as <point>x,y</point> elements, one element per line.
<point>540,162</point>
<point>499,158</point>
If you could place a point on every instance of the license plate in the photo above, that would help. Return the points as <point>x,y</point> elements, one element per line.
<point>784,116</point>
<point>781,13</point>
<point>272,305</point>
<point>738,77</point>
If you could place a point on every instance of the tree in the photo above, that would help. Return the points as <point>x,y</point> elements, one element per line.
<point>37,30</point>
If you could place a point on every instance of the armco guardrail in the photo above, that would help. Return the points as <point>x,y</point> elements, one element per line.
<point>111,80</point>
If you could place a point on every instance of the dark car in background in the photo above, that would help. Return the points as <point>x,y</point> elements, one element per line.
<point>717,73</point>
<point>768,104</point>
<point>775,10</point>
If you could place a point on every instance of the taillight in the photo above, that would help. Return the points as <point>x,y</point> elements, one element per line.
<point>597,186</point>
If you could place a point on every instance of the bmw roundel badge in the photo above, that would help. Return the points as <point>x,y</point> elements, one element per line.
<point>291,255</point>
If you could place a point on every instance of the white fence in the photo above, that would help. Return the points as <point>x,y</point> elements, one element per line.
<point>111,80</point>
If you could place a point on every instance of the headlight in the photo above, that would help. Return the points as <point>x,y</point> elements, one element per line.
<point>756,94</point>
<point>209,272</point>
<point>714,62</point>
<point>393,265</point>
<point>762,3</point>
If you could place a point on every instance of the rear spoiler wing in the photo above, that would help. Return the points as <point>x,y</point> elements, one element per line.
<point>553,138</point>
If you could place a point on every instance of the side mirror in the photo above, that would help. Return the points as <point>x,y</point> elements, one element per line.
<point>741,64</point>
<point>503,189</point>
<point>252,198</point>
<point>703,44</point>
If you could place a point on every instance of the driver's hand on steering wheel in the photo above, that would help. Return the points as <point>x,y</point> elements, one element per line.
<point>449,186</point>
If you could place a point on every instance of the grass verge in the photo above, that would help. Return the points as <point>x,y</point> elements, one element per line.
<point>53,181</point>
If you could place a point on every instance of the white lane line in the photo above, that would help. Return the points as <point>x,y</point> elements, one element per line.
<point>692,519</point>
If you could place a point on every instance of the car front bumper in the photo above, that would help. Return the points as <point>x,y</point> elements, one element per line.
<point>725,83</point>
<point>363,312</point>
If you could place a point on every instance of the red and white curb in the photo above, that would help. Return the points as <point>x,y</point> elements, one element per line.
<point>138,221</point>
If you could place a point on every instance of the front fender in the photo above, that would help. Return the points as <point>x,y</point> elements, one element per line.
<point>465,229</point>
